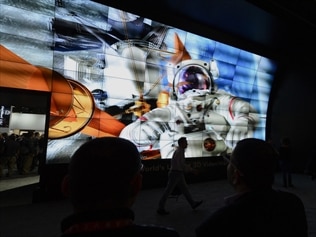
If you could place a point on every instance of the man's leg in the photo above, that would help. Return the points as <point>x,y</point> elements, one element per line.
<point>172,183</point>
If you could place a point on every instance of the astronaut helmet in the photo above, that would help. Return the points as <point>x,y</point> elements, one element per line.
<point>192,76</point>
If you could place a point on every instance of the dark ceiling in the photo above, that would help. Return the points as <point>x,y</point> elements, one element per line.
<point>275,28</point>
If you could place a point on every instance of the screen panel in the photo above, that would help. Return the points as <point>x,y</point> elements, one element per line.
<point>114,73</point>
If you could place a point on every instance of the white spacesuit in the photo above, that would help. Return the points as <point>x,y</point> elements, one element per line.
<point>211,120</point>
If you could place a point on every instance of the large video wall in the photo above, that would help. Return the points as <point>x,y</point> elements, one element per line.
<point>113,73</point>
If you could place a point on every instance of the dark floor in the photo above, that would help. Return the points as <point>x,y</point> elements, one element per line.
<point>20,217</point>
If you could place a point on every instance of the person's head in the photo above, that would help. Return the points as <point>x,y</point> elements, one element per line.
<point>12,137</point>
<point>182,142</point>
<point>5,135</point>
<point>104,173</point>
<point>37,134</point>
<point>252,165</point>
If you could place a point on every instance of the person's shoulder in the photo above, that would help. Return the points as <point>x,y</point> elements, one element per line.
<point>290,201</point>
<point>222,215</point>
<point>216,223</point>
<point>155,231</point>
<point>287,196</point>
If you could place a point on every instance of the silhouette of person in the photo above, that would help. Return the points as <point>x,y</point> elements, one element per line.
<point>11,152</point>
<point>285,157</point>
<point>103,182</point>
<point>256,209</point>
<point>176,178</point>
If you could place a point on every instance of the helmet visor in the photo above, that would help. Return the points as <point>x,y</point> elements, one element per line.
<point>192,77</point>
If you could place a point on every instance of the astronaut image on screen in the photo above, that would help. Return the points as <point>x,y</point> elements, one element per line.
<point>212,120</point>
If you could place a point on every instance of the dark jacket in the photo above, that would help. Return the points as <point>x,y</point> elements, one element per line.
<point>11,147</point>
<point>260,213</point>
<point>111,223</point>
